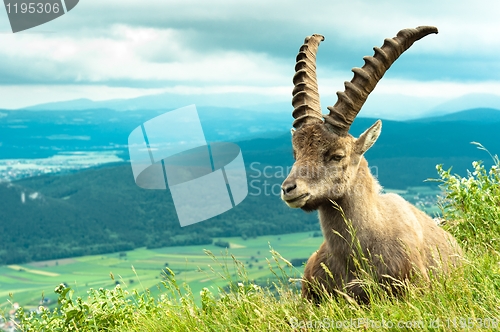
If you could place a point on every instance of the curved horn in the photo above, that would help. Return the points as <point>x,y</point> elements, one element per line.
<point>305,99</point>
<point>365,79</point>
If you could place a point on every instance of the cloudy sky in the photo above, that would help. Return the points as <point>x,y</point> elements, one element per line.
<point>244,51</point>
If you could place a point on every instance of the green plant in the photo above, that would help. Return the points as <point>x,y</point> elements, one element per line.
<point>471,204</point>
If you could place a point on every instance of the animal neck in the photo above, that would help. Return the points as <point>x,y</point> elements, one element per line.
<point>358,206</point>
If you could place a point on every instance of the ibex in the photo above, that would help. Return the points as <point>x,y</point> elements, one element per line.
<point>331,175</point>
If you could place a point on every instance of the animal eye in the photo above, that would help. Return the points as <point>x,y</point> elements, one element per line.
<point>336,157</point>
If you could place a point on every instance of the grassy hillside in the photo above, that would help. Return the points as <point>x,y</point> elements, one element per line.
<point>465,299</point>
<point>142,268</point>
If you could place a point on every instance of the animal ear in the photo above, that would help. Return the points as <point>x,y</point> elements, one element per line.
<point>292,131</point>
<point>368,138</point>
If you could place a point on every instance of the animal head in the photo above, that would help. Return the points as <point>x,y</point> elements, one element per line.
<point>327,157</point>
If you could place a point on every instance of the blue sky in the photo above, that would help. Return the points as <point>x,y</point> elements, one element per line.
<point>244,51</point>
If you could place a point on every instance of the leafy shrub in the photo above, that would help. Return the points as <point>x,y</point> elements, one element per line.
<point>103,310</point>
<point>220,243</point>
<point>471,204</point>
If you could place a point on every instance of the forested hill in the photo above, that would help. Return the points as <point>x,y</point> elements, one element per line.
<point>102,210</point>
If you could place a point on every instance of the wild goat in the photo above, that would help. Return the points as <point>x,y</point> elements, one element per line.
<point>331,175</point>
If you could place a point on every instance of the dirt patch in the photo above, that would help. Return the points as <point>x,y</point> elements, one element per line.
<point>236,246</point>
<point>22,269</point>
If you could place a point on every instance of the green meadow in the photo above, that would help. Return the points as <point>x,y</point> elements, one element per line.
<point>144,269</point>
<point>424,197</point>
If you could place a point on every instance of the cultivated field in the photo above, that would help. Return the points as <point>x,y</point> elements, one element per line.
<point>143,268</point>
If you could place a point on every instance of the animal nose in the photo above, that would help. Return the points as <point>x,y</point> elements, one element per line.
<point>288,187</point>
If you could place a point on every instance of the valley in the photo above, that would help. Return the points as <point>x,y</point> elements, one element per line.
<point>143,269</point>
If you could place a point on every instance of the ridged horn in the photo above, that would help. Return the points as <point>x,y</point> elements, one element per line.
<point>365,79</point>
<point>305,99</point>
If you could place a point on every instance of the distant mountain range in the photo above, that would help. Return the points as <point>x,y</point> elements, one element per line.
<point>165,102</point>
<point>466,102</point>
<point>28,134</point>
<point>484,115</point>
<point>385,106</point>
<point>407,153</point>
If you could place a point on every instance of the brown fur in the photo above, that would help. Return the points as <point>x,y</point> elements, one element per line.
<point>397,238</point>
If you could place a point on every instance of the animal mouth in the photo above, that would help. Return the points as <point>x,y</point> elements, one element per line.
<point>293,202</point>
<point>297,198</point>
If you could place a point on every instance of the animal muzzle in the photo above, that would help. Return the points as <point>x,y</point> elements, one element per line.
<point>293,194</point>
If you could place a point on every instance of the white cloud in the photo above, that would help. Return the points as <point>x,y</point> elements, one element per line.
<point>123,49</point>
<point>124,55</point>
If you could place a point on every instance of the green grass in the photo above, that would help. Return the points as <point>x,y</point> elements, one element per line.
<point>468,298</point>
<point>80,273</point>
